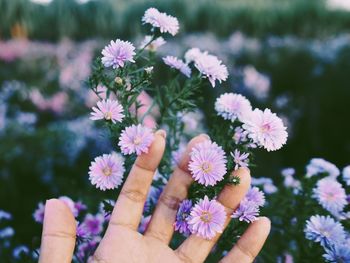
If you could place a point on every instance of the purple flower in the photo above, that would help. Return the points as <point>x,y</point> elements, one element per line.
<point>70,203</point>
<point>165,23</point>
<point>154,45</point>
<point>109,110</point>
<point>211,67</point>
<point>233,106</point>
<point>38,214</point>
<point>106,171</point>
<point>91,226</point>
<point>117,53</point>
<point>20,251</point>
<point>325,230</point>
<point>240,159</point>
<point>178,64</point>
<point>337,253</point>
<point>247,211</point>
<point>320,166</point>
<point>192,55</point>
<point>135,139</point>
<point>240,135</point>
<point>152,198</point>
<point>256,196</point>
<point>5,215</point>
<point>182,215</point>
<point>207,218</point>
<point>330,194</point>
<point>87,248</point>
<point>80,206</point>
<point>144,223</point>
<point>266,129</point>
<point>207,163</point>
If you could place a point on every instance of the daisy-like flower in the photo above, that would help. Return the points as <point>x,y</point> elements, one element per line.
<point>337,253</point>
<point>92,225</point>
<point>110,110</point>
<point>38,214</point>
<point>233,106</point>
<point>144,223</point>
<point>256,196</point>
<point>165,23</point>
<point>182,215</point>
<point>154,45</point>
<point>207,163</point>
<point>135,139</point>
<point>321,166</point>
<point>266,183</point>
<point>247,211</point>
<point>325,230</point>
<point>192,54</point>
<point>212,68</point>
<point>86,248</point>
<point>240,135</point>
<point>117,53</point>
<point>106,171</point>
<point>330,194</point>
<point>240,159</point>
<point>178,64</point>
<point>70,203</point>
<point>207,218</point>
<point>266,129</point>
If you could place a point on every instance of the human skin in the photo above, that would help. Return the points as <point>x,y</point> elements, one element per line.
<point>122,243</point>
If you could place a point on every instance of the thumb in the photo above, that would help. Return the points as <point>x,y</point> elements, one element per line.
<point>59,231</point>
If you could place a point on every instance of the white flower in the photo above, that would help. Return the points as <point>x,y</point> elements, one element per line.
<point>319,165</point>
<point>266,129</point>
<point>178,64</point>
<point>346,174</point>
<point>154,45</point>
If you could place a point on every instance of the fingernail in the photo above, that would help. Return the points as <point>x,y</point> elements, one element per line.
<point>161,133</point>
<point>205,136</point>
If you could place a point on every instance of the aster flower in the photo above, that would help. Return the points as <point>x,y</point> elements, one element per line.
<point>330,194</point>
<point>207,218</point>
<point>325,230</point>
<point>70,203</point>
<point>256,196</point>
<point>6,232</point>
<point>152,45</point>
<point>240,135</point>
<point>192,55</point>
<point>38,214</point>
<point>110,110</point>
<point>232,106</point>
<point>207,163</point>
<point>106,171</point>
<point>212,68</point>
<point>20,251</point>
<point>337,254</point>
<point>135,139</point>
<point>152,198</point>
<point>87,248</point>
<point>182,215</point>
<point>266,129</point>
<point>346,174</point>
<point>266,183</point>
<point>320,166</point>
<point>247,211</point>
<point>178,64</point>
<point>117,53</point>
<point>165,23</point>
<point>5,215</point>
<point>240,159</point>
<point>91,226</point>
<point>144,223</point>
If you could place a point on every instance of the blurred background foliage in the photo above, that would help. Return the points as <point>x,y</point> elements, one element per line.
<point>298,50</point>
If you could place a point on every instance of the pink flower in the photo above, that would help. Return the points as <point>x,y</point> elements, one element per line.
<point>154,45</point>
<point>178,64</point>
<point>232,106</point>
<point>266,129</point>
<point>165,23</point>
<point>240,159</point>
<point>109,110</point>
<point>207,163</point>
<point>117,53</point>
<point>207,218</point>
<point>106,171</point>
<point>39,213</point>
<point>135,139</point>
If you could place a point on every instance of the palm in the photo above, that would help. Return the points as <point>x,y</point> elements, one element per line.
<point>122,242</point>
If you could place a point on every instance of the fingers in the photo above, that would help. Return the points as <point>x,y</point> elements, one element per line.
<point>196,248</point>
<point>130,203</point>
<point>163,218</point>
<point>251,242</point>
<point>58,237</point>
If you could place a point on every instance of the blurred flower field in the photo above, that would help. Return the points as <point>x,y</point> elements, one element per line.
<point>290,57</point>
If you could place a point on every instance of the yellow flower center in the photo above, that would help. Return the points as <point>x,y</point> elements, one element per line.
<point>137,140</point>
<point>108,115</point>
<point>107,171</point>
<point>266,127</point>
<point>206,167</point>
<point>206,217</point>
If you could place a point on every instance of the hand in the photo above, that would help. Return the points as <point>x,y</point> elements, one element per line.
<point>122,242</point>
